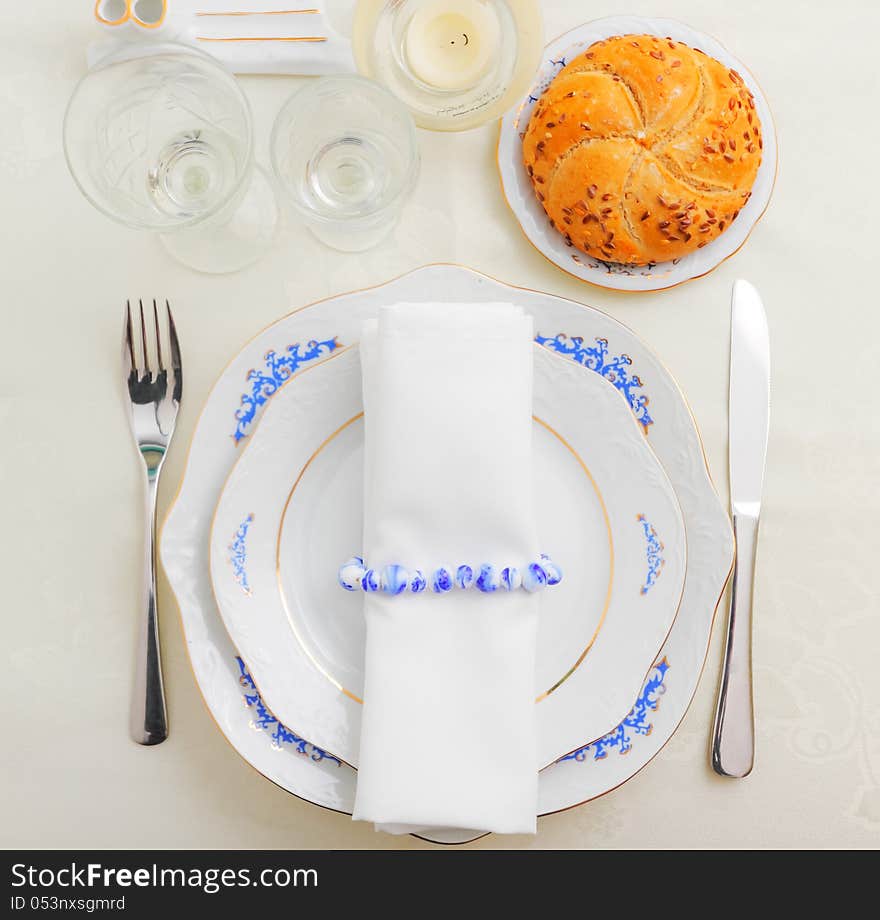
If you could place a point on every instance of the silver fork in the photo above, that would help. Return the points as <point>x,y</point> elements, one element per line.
<point>154,405</point>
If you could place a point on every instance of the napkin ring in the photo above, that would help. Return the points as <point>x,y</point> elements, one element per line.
<point>355,575</point>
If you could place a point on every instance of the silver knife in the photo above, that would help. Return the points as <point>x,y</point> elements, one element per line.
<point>733,742</point>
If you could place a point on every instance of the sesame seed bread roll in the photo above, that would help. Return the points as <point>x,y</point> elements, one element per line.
<point>643,150</point>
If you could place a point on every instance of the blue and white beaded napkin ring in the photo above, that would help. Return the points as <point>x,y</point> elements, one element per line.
<point>393,579</point>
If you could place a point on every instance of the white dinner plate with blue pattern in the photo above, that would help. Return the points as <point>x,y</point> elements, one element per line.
<point>587,337</point>
<point>291,511</point>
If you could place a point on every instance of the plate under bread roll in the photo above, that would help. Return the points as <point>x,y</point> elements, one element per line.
<point>642,156</point>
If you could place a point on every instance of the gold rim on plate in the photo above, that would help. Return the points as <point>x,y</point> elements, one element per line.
<point>351,694</point>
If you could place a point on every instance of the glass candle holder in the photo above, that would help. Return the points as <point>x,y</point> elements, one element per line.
<point>159,137</point>
<point>344,150</point>
<point>455,64</point>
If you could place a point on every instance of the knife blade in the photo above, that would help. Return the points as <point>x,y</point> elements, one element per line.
<point>749,420</point>
<point>733,744</point>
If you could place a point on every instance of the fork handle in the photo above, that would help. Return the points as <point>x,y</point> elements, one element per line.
<point>149,719</point>
<point>733,741</point>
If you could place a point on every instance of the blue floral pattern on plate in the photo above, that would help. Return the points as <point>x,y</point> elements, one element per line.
<point>279,368</point>
<point>653,552</point>
<point>238,554</point>
<point>543,83</point>
<point>279,734</point>
<point>636,723</point>
<point>615,369</point>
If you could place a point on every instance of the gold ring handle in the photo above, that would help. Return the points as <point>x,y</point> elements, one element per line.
<point>102,5</point>
<point>129,11</point>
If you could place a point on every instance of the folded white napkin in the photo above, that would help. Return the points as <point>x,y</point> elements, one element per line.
<point>252,36</point>
<point>448,731</point>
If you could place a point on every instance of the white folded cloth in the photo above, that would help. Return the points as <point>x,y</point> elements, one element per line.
<point>252,36</point>
<point>448,736</point>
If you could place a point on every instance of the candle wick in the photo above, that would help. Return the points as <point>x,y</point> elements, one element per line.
<point>466,39</point>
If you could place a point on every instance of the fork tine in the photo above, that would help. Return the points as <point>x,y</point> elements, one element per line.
<point>128,337</point>
<point>158,336</point>
<point>175,354</point>
<point>146,352</point>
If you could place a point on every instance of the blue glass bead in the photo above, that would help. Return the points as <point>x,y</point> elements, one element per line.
<point>554,573</point>
<point>511,580</point>
<point>487,580</point>
<point>394,580</point>
<point>351,574</point>
<point>442,580</point>
<point>534,578</point>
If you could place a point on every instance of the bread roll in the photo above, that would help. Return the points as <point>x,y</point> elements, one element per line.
<point>643,149</point>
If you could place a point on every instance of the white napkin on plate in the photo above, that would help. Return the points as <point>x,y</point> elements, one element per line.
<point>448,732</point>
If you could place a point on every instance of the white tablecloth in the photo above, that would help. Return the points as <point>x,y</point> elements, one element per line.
<point>69,481</point>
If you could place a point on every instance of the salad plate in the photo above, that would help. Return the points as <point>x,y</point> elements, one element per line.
<point>605,509</point>
<point>589,338</point>
<point>520,196</point>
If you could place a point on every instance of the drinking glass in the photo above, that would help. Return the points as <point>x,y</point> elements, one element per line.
<point>344,150</point>
<point>158,136</point>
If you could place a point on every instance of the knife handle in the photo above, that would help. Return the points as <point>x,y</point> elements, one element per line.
<point>733,740</point>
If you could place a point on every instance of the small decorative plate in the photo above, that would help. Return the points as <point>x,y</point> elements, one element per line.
<point>585,336</point>
<point>521,198</point>
<point>604,505</point>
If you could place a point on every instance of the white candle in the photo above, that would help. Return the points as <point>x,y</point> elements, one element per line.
<point>451,43</point>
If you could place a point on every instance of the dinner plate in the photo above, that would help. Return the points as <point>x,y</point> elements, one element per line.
<point>531,216</point>
<point>605,510</point>
<point>585,336</point>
